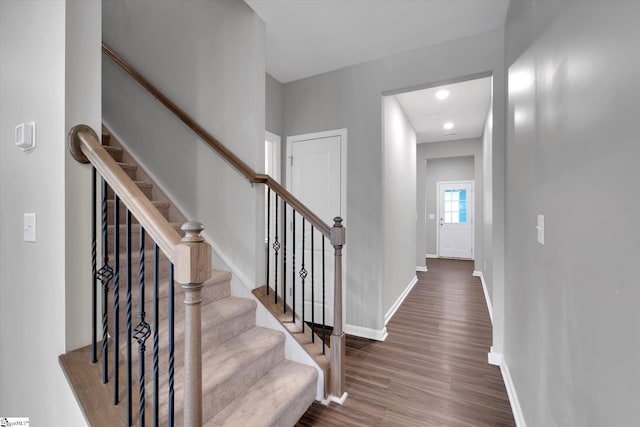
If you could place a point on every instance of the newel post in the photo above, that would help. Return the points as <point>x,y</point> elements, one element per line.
<point>338,239</point>
<point>193,268</point>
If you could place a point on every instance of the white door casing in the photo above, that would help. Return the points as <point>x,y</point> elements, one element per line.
<point>316,176</point>
<point>455,219</point>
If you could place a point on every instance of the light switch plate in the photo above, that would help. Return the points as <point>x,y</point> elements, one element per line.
<point>540,228</point>
<point>432,216</point>
<point>29,227</point>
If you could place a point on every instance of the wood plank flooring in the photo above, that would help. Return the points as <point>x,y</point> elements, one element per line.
<point>432,370</point>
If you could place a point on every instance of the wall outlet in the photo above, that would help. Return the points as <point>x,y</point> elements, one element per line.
<point>29,227</point>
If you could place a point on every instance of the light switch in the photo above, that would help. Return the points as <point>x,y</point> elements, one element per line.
<point>432,216</point>
<point>25,136</point>
<point>540,228</point>
<point>29,227</point>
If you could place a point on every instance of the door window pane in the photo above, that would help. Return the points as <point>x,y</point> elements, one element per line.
<point>455,206</point>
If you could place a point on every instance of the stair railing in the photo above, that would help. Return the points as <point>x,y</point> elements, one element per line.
<point>284,202</point>
<point>189,263</point>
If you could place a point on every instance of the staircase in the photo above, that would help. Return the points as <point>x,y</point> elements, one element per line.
<point>245,378</point>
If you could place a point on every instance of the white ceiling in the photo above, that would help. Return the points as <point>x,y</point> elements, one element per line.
<point>309,37</point>
<point>466,107</point>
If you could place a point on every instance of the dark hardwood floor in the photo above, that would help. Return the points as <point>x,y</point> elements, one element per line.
<point>432,370</point>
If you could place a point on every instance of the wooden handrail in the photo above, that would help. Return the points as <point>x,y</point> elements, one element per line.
<point>86,147</point>
<point>223,151</point>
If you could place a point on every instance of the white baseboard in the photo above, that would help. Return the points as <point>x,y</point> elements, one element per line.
<point>339,400</point>
<point>422,269</point>
<point>400,299</point>
<point>431,256</point>
<point>511,389</point>
<point>372,334</point>
<point>486,293</point>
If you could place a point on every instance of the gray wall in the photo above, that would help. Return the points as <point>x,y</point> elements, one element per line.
<point>351,98</point>
<point>209,59</point>
<point>452,151</point>
<point>274,105</point>
<point>40,288</point>
<point>446,169</point>
<point>571,337</point>
<point>399,201</point>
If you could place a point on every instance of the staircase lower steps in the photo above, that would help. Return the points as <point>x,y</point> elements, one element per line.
<point>279,399</point>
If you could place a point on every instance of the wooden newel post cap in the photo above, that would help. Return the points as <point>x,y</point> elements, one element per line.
<point>192,230</point>
<point>338,232</point>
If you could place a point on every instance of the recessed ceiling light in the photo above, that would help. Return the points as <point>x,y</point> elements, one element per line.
<point>448,126</point>
<point>442,94</point>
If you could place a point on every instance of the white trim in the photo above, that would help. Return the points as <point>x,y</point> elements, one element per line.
<point>499,360</point>
<point>372,334</point>
<point>339,400</point>
<point>422,269</point>
<point>396,305</point>
<point>342,133</point>
<point>486,293</point>
<point>431,256</point>
<point>472,182</point>
<point>274,140</point>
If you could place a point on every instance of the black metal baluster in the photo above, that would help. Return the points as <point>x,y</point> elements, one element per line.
<point>129,369</point>
<point>313,320</point>
<point>94,269</point>
<point>116,299</point>
<point>105,274</point>
<point>276,248</point>
<point>303,272</point>
<point>323,301</point>
<point>284,257</point>
<point>171,344</point>
<point>268,232</point>
<point>293,265</point>
<point>156,327</point>
<point>142,329</point>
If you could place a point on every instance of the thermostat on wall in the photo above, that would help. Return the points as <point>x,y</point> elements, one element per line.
<point>25,136</point>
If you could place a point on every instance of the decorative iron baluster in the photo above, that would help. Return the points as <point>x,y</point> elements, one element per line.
<point>303,273</point>
<point>313,323</point>
<point>156,327</point>
<point>94,269</point>
<point>105,274</point>
<point>323,296</point>
<point>268,232</point>
<point>293,265</point>
<point>276,248</point>
<point>116,299</point>
<point>129,298</point>
<point>142,329</point>
<point>284,257</point>
<point>171,344</point>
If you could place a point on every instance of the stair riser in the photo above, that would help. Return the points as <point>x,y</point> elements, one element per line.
<point>164,210</point>
<point>146,189</point>
<point>210,337</point>
<point>115,153</point>
<point>215,399</point>
<point>210,293</point>
<point>130,170</point>
<point>135,238</point>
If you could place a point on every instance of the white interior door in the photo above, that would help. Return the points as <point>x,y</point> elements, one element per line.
<point>314,177</point>
<point>455,225</point>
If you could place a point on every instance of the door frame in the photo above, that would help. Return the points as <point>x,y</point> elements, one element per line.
<point>342,133</point>
<point>276,159</point>
<point>472,183</point>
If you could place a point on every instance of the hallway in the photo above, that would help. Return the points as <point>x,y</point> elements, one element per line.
<point>432,370</point>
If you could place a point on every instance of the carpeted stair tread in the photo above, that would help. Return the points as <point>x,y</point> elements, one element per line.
<point>279,398</point>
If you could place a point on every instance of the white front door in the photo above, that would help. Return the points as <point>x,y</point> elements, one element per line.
<point>314,176</point>
<point>455,221</point>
